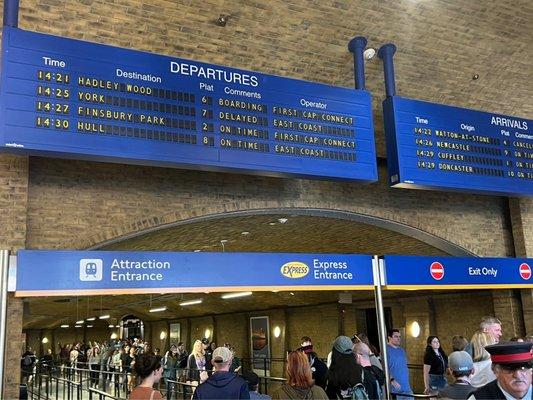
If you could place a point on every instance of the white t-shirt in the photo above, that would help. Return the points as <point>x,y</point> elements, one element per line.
<point>483,374</point>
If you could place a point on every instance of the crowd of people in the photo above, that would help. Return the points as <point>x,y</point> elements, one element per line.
<point>480,368</point>
<point>472,366</point>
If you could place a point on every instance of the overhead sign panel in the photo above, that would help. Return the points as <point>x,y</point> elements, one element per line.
<point>73,99</point>
<point>457,272</point>
<point>432,146</point>
<point>106,272</point>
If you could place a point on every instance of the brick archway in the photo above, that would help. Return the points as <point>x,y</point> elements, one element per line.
<point>237,209</point>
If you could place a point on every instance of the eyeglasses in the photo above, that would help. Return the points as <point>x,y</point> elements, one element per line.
<point>510,370</point>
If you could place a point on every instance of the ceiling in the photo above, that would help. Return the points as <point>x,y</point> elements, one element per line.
<point>50,313</point>
<point>297,233</point>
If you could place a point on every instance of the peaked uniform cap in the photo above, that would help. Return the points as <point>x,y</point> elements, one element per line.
<point>511,353</point>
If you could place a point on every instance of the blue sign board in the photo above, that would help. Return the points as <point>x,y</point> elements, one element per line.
<point>68,98</point>
<point>432,146</point>
<point>457,272</point>
<point>116,272</point>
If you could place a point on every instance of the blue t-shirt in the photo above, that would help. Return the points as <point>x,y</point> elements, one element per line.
<point>398,369</point>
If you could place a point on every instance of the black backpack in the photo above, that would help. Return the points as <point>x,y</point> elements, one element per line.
<point>358,391</point>
<point>27,361</point>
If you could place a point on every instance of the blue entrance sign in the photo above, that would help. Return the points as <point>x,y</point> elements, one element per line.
<point>73,99</point>
<point>114,272</point>
<point>432,146</point>
<point>457,272</point>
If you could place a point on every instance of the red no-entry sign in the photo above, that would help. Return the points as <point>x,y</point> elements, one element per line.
<point>525,271</point>
<point>436,270</point>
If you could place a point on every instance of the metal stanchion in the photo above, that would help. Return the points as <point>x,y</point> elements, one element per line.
<point>4,266</point>
<point>377,266</point>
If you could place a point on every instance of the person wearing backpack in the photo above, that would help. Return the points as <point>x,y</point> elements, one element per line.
<point>345,376</point>
<point>27,363</point>
<point>374,377</point>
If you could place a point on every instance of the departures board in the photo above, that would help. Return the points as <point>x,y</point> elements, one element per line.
<point>433,146</point>
<point>73,99</point>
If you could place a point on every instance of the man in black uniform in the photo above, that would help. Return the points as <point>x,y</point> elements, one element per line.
<point>208,352</point>
<point>512,364</point>
<point>319,369</point>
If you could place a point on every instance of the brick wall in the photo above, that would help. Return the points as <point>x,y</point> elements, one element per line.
<point>470,309</point>
<point>198,328</point>
<point>13,206</point>
<point>79,204</point>
<point>234,329</point>
<point>522,223</point>
<point>65,212</point>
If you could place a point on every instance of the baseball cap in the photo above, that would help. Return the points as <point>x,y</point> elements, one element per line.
<point>222,355</point>
<point>205,340</point>
<point>511,354</point>
<point>460,361</point>
<point>343,344</point>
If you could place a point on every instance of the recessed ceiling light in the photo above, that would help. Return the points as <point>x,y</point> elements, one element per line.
<point>158,309</point>
<point>77,326</point>
<point>224,241</point>
<point>89,326</point>
<point>111,326</point>
<point>282,220</point>
<point>80,322</point>
<point>64,326</point>
<point>104,316</point>
<point>234,295</point>
<point>291,293</point>
<point>245,233</point>
<point>191,302</point>
<point>272,223</point>
<point>197,251</point>
<point>90,319</point>
<point>274,291</point>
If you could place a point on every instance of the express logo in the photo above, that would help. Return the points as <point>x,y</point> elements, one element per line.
<point>294,269</point>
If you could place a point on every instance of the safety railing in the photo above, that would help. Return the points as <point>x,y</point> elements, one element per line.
<point>269,383</point>
<point>53,387</point>
<point>61,382</point>
<point>176,390</point>
<point>95,394</point>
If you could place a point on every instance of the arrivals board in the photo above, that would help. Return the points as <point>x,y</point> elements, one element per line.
<point>457,272</point>
<point>43,272</point>
<point>68,98</point>
<point>433,146</point>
